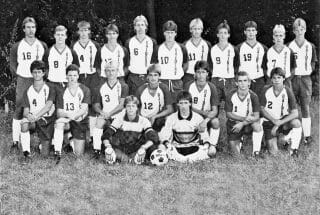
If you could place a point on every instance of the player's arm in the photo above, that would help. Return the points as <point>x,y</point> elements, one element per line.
<point>167,102</point>
<point>14,59</point>
<point>228,109</point>
<point>85,103</point>
<point>165,112</point>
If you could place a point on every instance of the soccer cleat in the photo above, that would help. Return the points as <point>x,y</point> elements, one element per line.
<point>27,157</point>
<point>96,154</point>
<point>287,144</point>
<point>295,153</point>
<point>257,155</point>
<point>14,149</point>
<point>307,140</point>
<point>57,155</point>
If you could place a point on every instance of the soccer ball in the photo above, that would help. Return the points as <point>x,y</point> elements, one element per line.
<point>159,157</point>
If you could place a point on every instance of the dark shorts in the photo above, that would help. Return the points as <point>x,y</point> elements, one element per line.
<point>22,85</point>
<point>302,88</point>
<point>175,87</point>
<point>268,125</point>
<point>237,136</point>
<point>44,127</point>
<point>257,85</point>
<point>224,86</point>
<point>90,80</point>
<point>78,129</point>
<point>134,81</point>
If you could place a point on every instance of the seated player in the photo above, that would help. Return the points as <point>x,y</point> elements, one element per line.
<point>279,108</point>
<point>182,136</point>
<point>242,108</point>
<point>130,135</point>
<point>107,100</point>
<point>205,100</point>
<point>72,111</point>
<point>155,98</point>
<point>38,108</point>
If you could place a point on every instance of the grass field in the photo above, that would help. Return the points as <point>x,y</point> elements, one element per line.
<point>223,185</point>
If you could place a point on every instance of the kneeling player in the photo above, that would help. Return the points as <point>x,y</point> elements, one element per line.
<point>72,110</point>
<point>38,110</point>
<point>279,108</point>
<point>182,136</point>
<point>242,108</point>
<point>130,135</point>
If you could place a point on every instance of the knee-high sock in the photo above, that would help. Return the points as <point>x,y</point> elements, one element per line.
<point>16,130</point>
<point>306,126</point>
<point>296,137</point>
<point>214,136</point>
<point>25,141</point>
<point>57,139</point>
<point>92,124</point>
<point>256,141</point>
<point>97,133</point>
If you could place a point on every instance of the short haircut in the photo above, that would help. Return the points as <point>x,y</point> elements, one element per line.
<point>250,24</point>
<point>27,20</point>
<point>154,68</point>
<point>133,99</point>
<point>299,22</point>
<point>277,71</point>
<point>170,26</point>
<point>37,64</point>
<point>202,64</point>
<point>196,22</point>
<point>72,67</point>
<point>242,73</point>
<point>60,28</point>
<point>111,27</point>
<point>279,29</point>
<point>225,25</point>
<point>140,18</point>
<point>184,95</point>
<point>84,24</point>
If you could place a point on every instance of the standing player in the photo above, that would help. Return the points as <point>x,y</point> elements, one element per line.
<point>173,59</point>
<point>279,55</point>
<point>88,52</point>
<point>182,136</point>
<point>242,107</point>
<point>205,100</point>
<point>130,136</point>
<point>279,109</point>
<point>223,61</point>
<point>197,48</point>
<point>107,100</point>
<point>252,57</point>
<point>22,54</point>
<point>155,98</point>
<point>72,109</point>
<point>306,58</point>
<point>38,109</point>
<point>142,50</point>
<point>58,57</point>
<point>113,51</point>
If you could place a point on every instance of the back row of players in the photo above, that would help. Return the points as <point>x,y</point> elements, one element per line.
<point>176,63</point>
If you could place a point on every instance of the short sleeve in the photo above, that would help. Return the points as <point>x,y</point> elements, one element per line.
<point>87,95</point>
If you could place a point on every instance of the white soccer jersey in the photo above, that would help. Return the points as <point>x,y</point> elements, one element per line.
<point>283,59</point>
<point>222,61</point>
<point>171,61</point>
<point>141,54</point>
<point>252,59</point>
<point>278,105</point>
<point>117,56</point>
<point>87,56</point>
<point>58,62</point>
<point>304,55</point>
<point>196,53</point>
<point>26,54</point>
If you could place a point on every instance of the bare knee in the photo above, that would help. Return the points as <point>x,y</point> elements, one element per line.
<point>256,127</point>
<point>295,123</point>
<point>214,123</point>
<point>100,123</point>
<point>25,127</point>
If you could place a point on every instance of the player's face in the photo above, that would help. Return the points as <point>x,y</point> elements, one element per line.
<point>37,74</point>
<point>196,31</point>
<point>131,109</point>
<point>201,75</point>
<point>111,73</point>
<point>60,37</point>
<point>299,31</point>
<point>251,33</point>
<point>277,80</point>
<point>84,33</point>
<point>153,78</point>
<point>140,27</point>
<point>112,36</point>
<point>223,35</point>
<point>243,83</point>
<point>72,76</point>
<point>30,29</point>
<point>278,38</point>
<point>184,106</point>
<point>170,36</point>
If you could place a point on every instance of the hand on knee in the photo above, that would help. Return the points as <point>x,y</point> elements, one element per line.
<point>212,151</point>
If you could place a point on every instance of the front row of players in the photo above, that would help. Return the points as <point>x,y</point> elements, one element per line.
<point>147,122</point>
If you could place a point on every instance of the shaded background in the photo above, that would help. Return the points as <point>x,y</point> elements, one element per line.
<point>50,13</point>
